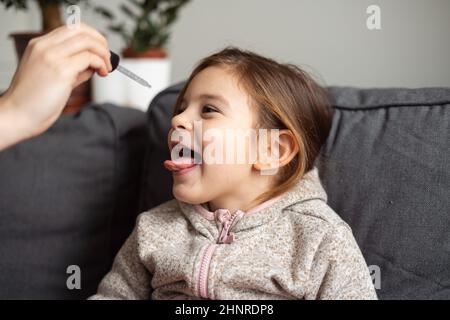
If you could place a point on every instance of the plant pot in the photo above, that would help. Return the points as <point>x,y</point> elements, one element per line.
<point>80,95</point>
<point>152,65</point>
<point>157,53</point>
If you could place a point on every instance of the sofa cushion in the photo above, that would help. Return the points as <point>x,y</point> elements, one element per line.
<point>69,197</point>
<point>386,170</point>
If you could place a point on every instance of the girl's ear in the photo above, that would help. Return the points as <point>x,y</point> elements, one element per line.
<point>281,149</point>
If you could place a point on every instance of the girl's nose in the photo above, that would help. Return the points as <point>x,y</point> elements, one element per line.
<point>181,122</point>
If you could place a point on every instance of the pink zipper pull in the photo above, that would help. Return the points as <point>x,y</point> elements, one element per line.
<point>225,217</point>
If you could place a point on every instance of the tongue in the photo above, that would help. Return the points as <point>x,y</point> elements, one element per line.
<point>175,166</point>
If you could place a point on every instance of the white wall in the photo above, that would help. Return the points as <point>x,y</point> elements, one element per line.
<point>328,37</point>
<point>11,22</point>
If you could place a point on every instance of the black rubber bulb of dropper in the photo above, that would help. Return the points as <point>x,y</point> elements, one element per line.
<point>115,59</point>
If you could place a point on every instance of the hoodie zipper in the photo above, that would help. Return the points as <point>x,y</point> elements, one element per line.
<point>202,283</point>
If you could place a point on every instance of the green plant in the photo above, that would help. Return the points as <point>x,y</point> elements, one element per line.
<point>50,10</point>
<point>152,21</point>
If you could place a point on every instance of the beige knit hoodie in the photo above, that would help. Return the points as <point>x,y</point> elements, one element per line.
<point>291,247</point>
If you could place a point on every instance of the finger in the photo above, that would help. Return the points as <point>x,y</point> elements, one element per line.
<point>63,33</point>
<point>53,37</point>
<point>95,33</point>
<point>75,66</point>
<point>82,42</point>
<point>84,76</point>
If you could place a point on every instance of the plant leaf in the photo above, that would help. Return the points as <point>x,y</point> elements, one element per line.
<point>104,13</point>
<point>128,12</point>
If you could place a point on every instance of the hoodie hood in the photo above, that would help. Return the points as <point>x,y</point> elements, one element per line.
<point>211,224</point>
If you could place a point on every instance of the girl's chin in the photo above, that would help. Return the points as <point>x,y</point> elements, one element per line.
<point>185,194</point>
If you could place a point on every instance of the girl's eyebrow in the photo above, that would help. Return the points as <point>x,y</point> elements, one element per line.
<point>211,97</point>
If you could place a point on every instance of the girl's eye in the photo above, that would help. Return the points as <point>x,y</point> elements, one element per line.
<point>208,109</point>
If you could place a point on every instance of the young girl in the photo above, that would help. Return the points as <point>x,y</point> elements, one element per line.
<point>240,230</point>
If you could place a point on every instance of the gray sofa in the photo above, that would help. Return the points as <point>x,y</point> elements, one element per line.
<point>71,195</point>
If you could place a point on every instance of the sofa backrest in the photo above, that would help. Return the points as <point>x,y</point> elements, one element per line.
<point>386,170</point>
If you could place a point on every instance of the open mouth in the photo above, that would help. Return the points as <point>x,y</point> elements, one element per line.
<point>182,159</point>
<point>188,155</point>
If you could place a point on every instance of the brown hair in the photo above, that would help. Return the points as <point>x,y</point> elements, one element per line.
<point>286,97</point>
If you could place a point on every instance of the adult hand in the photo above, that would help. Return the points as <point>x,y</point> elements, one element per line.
<point>51,67</point>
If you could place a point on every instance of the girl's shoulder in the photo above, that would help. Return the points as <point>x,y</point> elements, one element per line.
<point>316,214</point>
<point>162,217</point>
<point>168,207</point>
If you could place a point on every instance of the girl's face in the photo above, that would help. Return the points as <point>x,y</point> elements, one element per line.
<point>214,101</point>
